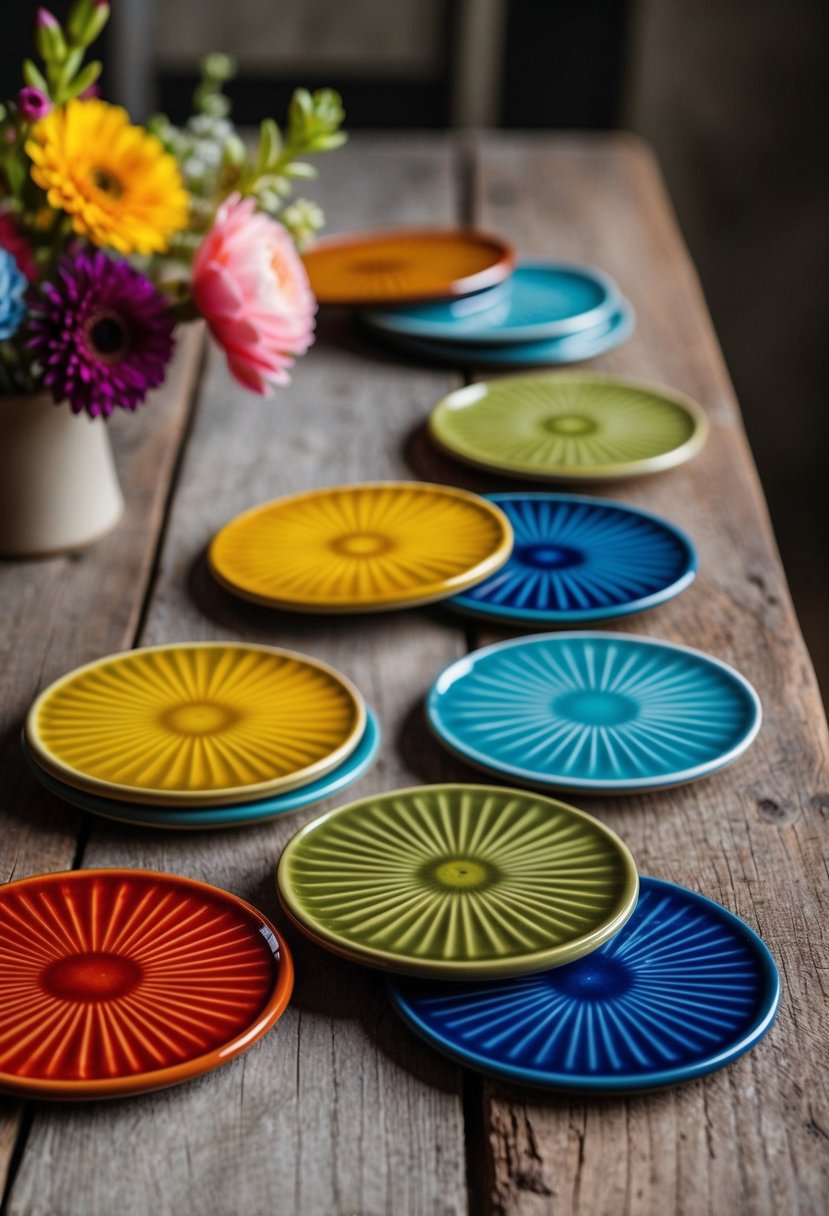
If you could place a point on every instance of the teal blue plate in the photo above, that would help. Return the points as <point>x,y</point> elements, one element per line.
<point>683,989</point>
<point>540,301</point>
<point>358,763</point>
<point>573,348</point>
<point>600,712</point>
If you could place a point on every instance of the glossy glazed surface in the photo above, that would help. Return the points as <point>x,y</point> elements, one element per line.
<point>339,779</point>
<point>569,426</point>
<point>361,548</point>
<point>457,880</point>
<point>580,559</point>
<point>120,981</point>
<point>682,990</point>
<point>407,264</point>
<point>200,723</point>
<point>594,711</point>
<point>543,300</point>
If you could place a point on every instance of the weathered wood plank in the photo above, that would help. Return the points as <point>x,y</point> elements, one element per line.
<point>66,611</point>
<point>752,1139</point>
<point>335,1111</point>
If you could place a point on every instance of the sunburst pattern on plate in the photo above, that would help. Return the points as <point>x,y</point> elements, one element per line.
<point>580,559</point>
<point>360,548</point>
<point>569,425</point>
<point>197,722</point>
<point>598,711</point>
<point>458,880</point>
<point>683,989</point>
<point>397,266</point>
<point>117,981</point>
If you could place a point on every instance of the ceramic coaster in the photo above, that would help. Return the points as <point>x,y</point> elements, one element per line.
<point>549,352</point>
<point>545,300</point>
<point>116,982</point>
<point>578,559</point>
<point>457,881</point>
<point>599,712</point>
<point>361,548</point>
<point>569,426</point>
<point>200,723</point>
<point>682,990</point>
<point>339,779</point>
<point>398,266</point>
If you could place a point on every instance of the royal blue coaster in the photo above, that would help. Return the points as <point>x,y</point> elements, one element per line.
<point>578,559</point>
<point>573,348</point>
<point>683,989</point>
<point>540,301</point>
<point>358,763</point>
<point>603,712</point>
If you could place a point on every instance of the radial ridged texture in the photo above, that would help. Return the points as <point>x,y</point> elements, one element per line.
<point>193,722</point>
<point>594,711</point>
<point>576,559</point>
<point>568,425</point>
<point>355,548</point>
<point>458,880</point>
<point>396,266</point>
<point>683,989</point>
<point>107,975</point>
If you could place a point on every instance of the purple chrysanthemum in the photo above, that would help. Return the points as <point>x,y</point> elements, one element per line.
<point>102,334</point>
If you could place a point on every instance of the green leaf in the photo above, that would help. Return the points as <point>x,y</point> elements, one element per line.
<point>86,77</point>
<point>270,144</point>
<point>34,77</point>
<point>298,168</point>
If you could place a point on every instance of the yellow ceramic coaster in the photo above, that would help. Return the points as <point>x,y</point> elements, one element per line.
<point>569,426</point>
<point>197,723</point>
<point>361,548</point>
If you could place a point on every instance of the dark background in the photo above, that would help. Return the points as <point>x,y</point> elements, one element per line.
<point>732,93</point>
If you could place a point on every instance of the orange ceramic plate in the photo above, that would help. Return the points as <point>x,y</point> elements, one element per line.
<point>402,266</point>
<point>117,982</point>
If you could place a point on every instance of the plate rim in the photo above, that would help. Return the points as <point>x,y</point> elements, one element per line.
<point>583,784</point>
<point>197,818</point>
<point>527,616</point>
<point>468,285</point>
<point>567,327</point>
<point>149,1081</point>
<point>127,793</point>
<point>615,472</point>
<point>482,570</point>
<point>655,1079</point>
<point>435,968</point>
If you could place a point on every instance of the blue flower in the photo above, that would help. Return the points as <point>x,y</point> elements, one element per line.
<point>13,284</point>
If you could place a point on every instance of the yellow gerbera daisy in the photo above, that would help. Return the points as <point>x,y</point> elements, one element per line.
<point>115,180</point>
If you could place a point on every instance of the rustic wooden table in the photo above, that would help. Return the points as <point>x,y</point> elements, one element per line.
<point>340,1110</point>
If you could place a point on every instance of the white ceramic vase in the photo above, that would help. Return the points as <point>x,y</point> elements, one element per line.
<point>59,490</point>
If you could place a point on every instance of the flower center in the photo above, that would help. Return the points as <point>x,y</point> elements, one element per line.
<point>106,334</point>
<point>460,873</point>
<point>95,975</point>
<point>106,182</point>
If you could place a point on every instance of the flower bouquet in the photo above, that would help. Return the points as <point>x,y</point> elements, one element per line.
<point>112,233</point>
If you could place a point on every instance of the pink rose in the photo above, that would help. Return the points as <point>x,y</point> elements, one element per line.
<point>251,287</point>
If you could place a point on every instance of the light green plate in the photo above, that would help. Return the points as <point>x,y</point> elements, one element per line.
<point>569,426</point>
<point>457,881</point>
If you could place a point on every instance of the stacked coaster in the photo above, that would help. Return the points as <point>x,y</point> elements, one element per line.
<point>511,926</point>
<point>546,313</point>
<point>200,734</point>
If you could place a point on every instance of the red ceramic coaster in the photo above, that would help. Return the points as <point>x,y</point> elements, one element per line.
<point>115,982</point>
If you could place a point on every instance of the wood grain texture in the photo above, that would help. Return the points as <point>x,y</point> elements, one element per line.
<point>66,611</point>
<point>335,1111</point>
<point>753,1138</point>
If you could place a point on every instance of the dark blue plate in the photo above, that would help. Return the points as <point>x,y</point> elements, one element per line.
<point>580,559</point>
<point>682,990</point>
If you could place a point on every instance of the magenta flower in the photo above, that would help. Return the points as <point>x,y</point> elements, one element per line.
<point>46,20</point>
<point>251,287</point>
<point>33,104</point>
<point>101,333</point>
